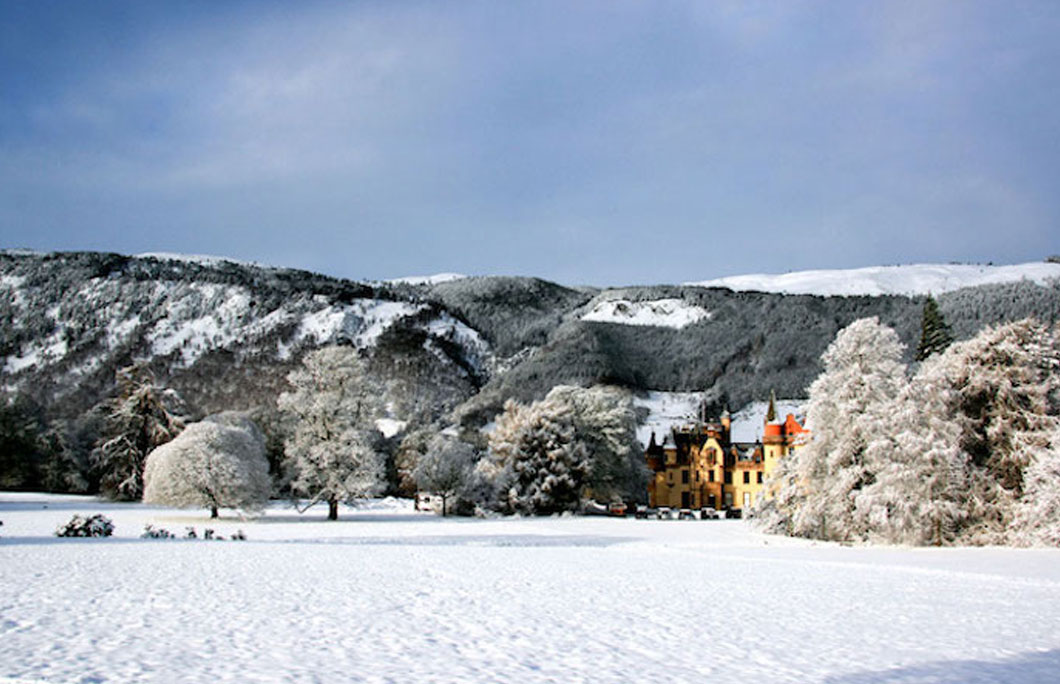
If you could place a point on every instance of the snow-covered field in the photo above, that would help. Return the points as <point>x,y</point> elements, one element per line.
<point>912,279</point>
<point>390,595</point>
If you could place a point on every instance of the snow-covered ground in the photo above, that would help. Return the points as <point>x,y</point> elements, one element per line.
<point>666,313</point>
<point>390,595</point>
<point>913,279</point>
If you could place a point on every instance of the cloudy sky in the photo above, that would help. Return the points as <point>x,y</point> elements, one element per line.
<point>600,142</point>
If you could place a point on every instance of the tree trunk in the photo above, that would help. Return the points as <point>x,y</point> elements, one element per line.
<point>444,499</point>
<point>333,509</point>
<point>213,511</point>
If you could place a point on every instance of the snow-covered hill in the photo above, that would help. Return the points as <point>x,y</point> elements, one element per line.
<point>217,330</point>
<point>913,279</point>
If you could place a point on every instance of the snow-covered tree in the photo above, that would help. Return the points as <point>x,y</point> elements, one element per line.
<point>576,442</point>
<point>605,422</point>
<point>537,463</point>
<point>217,463</point>
<point>1004,395</point>
<point>967,452</point>
<point>137,421</point>
<point>817,486</point>
<point>332,446</point>
<point>918,473</point>
<point>445,468</point>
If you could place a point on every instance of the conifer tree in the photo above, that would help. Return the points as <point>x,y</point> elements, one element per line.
<point>935,333</point>
<point>137,422</point>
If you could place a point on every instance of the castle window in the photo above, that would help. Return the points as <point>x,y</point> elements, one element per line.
<point>728,477</point>
<point>746,477</point>
<point>697,476</point>
<point>710,476</point>
<point>759,478</point>
<point>684,477</point>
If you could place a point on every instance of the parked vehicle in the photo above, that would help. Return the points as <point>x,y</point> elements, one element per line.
<point>666,513</point>
<point>733,513</point>
<point>617,509</point>
<point>685,514</point>
<point>643,512</point>
<point>708,513</point>
<point>590,507</point>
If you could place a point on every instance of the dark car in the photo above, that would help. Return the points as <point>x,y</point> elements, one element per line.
<point>707,513</point>
<point>733,513</point>
<point>643,512</point>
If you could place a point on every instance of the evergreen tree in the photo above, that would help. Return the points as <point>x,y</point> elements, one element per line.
<point>333,445</point>
<point>935,334</point>
<point>538,464</point>
<point>137,421</point>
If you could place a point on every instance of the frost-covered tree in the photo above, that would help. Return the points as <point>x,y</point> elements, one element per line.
<point>217,463</point>
<point>576,442</point>
<point>1004,395</point>
<point>918,473</point>
<point>445,468</point>
<point>935,334</point>
<point>817,486</point>
<point>332,445</point>
<point>137,421</point>
<point>968,452</point>
<point>605,421</point>
<point>537,463</point>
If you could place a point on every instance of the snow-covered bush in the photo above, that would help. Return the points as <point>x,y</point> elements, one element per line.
<point>210,465</point>
<point>332,446</point>
<point>152,532</point>
<point>1002,389</point>
<point>96,525</point>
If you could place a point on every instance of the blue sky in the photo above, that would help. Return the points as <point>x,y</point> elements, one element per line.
<point>601,142</point>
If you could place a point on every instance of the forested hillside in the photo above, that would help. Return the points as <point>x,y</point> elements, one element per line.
<point>223,335</point>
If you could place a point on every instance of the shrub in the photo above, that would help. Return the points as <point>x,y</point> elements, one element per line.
<point>151,533</point>
<point>96,525</point>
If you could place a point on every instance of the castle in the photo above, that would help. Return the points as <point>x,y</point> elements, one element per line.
<point>699,465</point>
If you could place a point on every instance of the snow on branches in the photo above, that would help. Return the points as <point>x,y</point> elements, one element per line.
<point>546,456</point>
<point>966,451</point>
<point>137,421</point>
<point>332,446</point>
<point>217,463</point>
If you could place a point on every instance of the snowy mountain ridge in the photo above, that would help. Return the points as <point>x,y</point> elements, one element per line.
<point>910,280</point>
<point>215,329</point>
<point>225,334</point>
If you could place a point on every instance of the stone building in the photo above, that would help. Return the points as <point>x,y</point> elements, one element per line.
<point>699,465</point>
